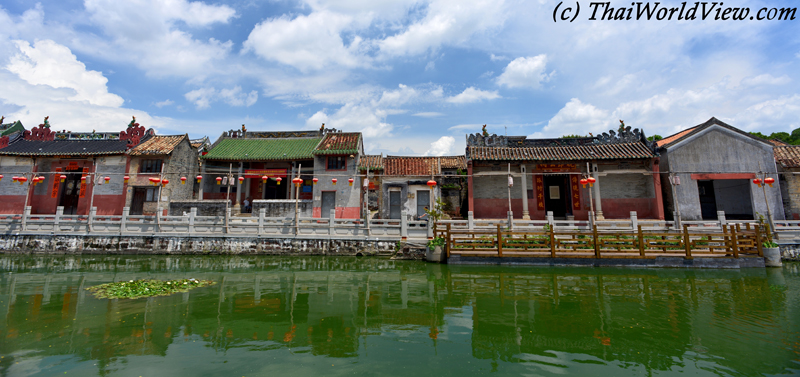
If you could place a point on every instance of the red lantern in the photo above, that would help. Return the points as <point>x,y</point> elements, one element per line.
<point>107,179</point>
<point>126,178</point>
<point>334,180</point>
<point>219,180</point>
<point>769,181</point>
<point>164,182</point>
<point>154,181</point>
<point>757,182</point>
<point>591,181</point>
<point>1,178</point>
<point>199,178</point>
<point>241,179</point>
<point>584,181</point>
<point>315,180</point>
<point>22,180</point>
<point>15,178</point>
<point>350,181</point>
<point>83,179</point>
<point>264,178</point>
<point>183,180</point>
<point>279,179</point>
<point>297,181</point>
<point>63,177</point>
<point>431,183</point>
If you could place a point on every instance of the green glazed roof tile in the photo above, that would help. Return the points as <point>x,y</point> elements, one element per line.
<point>263,149</point>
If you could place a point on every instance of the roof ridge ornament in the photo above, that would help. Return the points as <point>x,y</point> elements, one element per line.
<point>133,134</point>
<point>41,132</point>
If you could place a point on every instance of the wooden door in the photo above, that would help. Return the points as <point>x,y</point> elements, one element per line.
<point>137,203</point>
<point>328,202</point>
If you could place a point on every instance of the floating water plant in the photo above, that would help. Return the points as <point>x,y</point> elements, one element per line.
<point>146,288</point>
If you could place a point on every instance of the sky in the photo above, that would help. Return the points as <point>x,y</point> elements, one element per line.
<point>414,76</point>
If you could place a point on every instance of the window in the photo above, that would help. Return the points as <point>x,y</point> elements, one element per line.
<point>337,163</point>
<point>150,166</point>
<point>151,195</point>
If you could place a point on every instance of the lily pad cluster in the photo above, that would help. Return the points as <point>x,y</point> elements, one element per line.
<point>146,288</point>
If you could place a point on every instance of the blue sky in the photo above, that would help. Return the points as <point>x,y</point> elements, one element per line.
<point>414,76</point>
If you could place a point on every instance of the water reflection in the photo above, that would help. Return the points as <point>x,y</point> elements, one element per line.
<point>374,316</point>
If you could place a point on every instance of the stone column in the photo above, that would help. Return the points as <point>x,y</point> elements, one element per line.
<point>237,208</point>
<point>598,207</point>
<point>525,214</point>
<point>202,181</point>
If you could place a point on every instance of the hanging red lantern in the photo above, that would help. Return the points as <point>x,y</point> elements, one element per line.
<point>241,179</point>
<point>14,178</point>
<point>83,179</point>
<point>183,180</point>
<point>315,180</point>
<point>164,182</point>
<point>264,178</point>
<point>126,178</point>
<point>591,181</point>
<point>107,179</point>
<point>350,181</point>
<point>584,181</point>
<point>219,180</point>
<point>63,177</point>
<point>431,183</point>
<point>199,178</point>
<point>334,180</point>
<point>1,178</point>
<point>757,182</point>
<point>22,180</point>
<point>279,179</point>
<point>297,181</point>
<point>769,181</point>
<point>154,181</point>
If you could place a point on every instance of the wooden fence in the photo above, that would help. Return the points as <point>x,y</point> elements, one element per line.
<point>732,241</point>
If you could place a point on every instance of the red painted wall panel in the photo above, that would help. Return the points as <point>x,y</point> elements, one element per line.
<point>12,204</point>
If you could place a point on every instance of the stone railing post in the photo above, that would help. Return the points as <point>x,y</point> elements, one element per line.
<point>126,211</point>
<point>59,213</point>
<point>550,219</point>
<point>510,219</point>
<point>429,225</point>
<point>192,215</point>
<point>227,219</point>
<point>721,218</point>
<point>262,213</point>
<point>403,227</point>
<point>634,221</point>
<point>331,222</point>
<point>470,220</point>
<point>26,213</point>
<point>90,224</point>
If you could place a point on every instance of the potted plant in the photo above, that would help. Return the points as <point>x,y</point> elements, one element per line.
<point>434,252</point>
<point>772,252</point>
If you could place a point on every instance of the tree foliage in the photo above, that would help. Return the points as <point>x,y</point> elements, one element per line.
<point>793,138</point>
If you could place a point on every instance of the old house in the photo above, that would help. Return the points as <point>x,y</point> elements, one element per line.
<point>787,158</point>
<point>74,170</point>
<point>544,175</point>
<point>399,184</point>
<point>169,158</point>
<point>710,168</point>
<point>260,167</point>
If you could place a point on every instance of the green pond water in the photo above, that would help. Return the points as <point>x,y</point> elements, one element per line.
<point>273,316</point>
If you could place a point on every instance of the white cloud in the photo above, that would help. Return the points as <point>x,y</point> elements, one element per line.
<point>471,95</point>
<point>466,127</point>
<point>441,147</point>
<point>765,79</point>
<point>203,97</point>
<point>525,72</point>
<point>306,42</point>
<point>495,58</point>
<point>48,63</point>
<point>430,66</point>
<point>428,114</point>
<point>446,22</point>
<point>164,103</point>
<point>575,118</point>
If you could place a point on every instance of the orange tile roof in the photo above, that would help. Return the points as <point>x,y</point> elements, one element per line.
<point>788,156</point>
<point>421,166</point>
<point>563,153</point>
<point>454,162</point>
<point>339,143</point>
<point>157,145</point>
<point>670,139</point>
<point>778,143</point>
<point>371,161</point>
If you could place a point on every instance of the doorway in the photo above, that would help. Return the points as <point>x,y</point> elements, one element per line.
<point>394,204</point>
<point>274,191</point>
<point>708,201</point>
<point>137,203</point>
<point>423,200</point>
<point>70,194</point>
<point>328,203</point>
<point>556,195</point>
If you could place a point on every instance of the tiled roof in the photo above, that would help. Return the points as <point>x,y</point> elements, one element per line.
<point>371,162</point>
<point>788,156</point>
<point>399,165</point>
<point>65,148</point>
<point>263,149</point>
<point>778,143</point>
<point>563,153</point>
<point>339,143</point>
<point>9,128</point>
<point>453,162</point>
<point>670,139</point>
<point>685,134</point>
<point>157,145</point>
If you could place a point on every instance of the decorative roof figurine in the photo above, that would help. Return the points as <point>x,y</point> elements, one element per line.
<point>46,123</point>
<point>322,127</point>
<point>133,122</point>
<point>485,133</point>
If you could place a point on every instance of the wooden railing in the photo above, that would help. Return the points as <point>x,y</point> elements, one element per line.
<point>732,241</point>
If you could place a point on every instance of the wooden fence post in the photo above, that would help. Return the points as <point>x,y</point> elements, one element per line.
<point>759,246</point>
<point>499,240</point>
<point>596,241</point>
<point>686,242</point>
<point>552,242</point>
<point>734,243</point>
<point>641,240</point>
